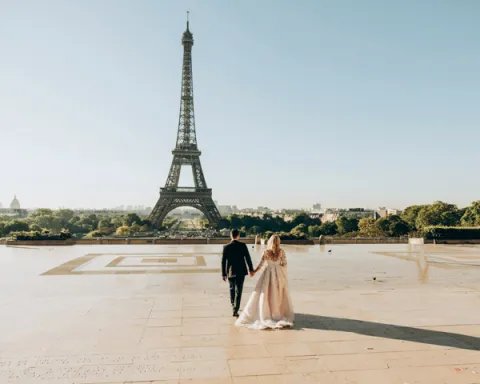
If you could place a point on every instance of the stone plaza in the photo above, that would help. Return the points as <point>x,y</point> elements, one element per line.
<point>161,314</point>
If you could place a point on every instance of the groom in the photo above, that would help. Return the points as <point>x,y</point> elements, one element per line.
<point>235,256</point>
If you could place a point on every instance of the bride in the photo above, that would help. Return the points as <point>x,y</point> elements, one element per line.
<point>270,305</point>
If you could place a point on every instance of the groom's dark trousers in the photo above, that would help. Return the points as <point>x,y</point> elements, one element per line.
<point>235,260</point>
<point>236,289</point>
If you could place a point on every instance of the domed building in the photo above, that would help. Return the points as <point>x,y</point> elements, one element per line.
<point>15,209</point>
<point>15,204</point>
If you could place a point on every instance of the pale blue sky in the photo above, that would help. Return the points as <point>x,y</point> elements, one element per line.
<point>346,103</point>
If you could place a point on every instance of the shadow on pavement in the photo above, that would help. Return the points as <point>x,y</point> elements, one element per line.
<point>387,331</point>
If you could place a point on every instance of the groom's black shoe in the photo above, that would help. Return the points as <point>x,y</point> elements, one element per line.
<point>235,314</point>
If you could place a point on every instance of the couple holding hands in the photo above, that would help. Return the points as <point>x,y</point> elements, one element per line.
<point>270,305</point>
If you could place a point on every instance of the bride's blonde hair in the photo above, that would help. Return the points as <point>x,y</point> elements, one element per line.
<point>274,244</point>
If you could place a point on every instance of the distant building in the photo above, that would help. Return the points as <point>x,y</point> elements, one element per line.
<point>384,212</point>
<point>15,204</point>
<point>332,214</point>
<point>317,207</point>
<point>15,209</point>
<point>226,210</point>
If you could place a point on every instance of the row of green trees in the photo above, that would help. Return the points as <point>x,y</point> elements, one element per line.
<point>416,218</point>
<point>91,225</point>
<point>442,214</point>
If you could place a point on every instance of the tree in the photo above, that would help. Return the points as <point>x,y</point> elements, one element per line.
<point>438,213</point>
<point>65,215</point>
<point>367,227</point>
<point>347,224</point>
<point>304,218</point>
<point>41,212</point>
<point>16,226</point>
<point>399,228</point>
<point>383,226</point>
<point>132,218</point>
<point>124,230</point>
<point>116,221</point>
<point>135,228</point>
<point>471,217</point>
<point>300,229</point>
<point>329,228</point>
<point>74,220</point>
<point>50,222</point>
<point>104,223</point>
<point>235,222</point>
<point>314,230</point>
<point>147,223</point>
<point>410,215</point>
<point>35,228</point>
<point>85,220</point>
<point>392,226</point>
<point>224,223</point>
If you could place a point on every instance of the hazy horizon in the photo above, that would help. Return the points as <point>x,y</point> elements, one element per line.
<point>347,104</point>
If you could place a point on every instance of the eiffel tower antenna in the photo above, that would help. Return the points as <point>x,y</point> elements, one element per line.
<point>186,152</point>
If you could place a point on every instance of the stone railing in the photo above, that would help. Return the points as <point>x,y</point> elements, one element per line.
<point>220,241</point>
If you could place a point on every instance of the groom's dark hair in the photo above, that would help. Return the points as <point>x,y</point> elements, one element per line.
<point>235,233</point>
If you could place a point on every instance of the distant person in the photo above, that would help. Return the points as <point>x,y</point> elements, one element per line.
<point>270,305</point>
<point>235,260</point>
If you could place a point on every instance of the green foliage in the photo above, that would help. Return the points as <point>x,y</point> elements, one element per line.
<point>99,233</point>
<point>303,218</point>
<point>438,214</point>
<point>44,235</point>
<point>393,226</point>
<point>367,227</point>
<point>314,231</point>
<point>286,236</point>
<point>134,228</point>
<point>41,212</point>
<point>452,233</point>
<point>300,229</point>
<point>65,215</point>
<point>116,221</point>
<point>132,218</point>
<point>328,228</point>
<point>347,225</point>
<point>49,222</point>
<point>471,216</point>
<point>104,223</point>
<point>15,225</point>
<point>267,223</point>
<point>410,214</point>
<point>124,230</point>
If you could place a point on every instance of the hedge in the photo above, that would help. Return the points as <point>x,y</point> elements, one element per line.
<point>35,235</point>
<point>286,236</point>
<point>452,233</point>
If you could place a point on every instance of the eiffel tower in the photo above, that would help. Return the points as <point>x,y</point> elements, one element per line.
<point>186,153</point>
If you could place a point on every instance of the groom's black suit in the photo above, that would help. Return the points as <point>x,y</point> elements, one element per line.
<point>234,266</point>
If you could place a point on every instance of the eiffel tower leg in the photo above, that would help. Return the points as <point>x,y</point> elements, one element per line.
<point>198,176</point>
<point>161,209</point>
<point>174,174</point>
<point>211,211</point>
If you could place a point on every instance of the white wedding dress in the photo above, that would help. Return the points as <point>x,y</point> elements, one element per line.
<point>270,305</point>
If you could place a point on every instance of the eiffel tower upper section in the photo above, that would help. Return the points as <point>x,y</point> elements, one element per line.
<point>186,136</point>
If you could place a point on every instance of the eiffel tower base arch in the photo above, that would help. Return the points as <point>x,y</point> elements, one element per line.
<point>169,200</point>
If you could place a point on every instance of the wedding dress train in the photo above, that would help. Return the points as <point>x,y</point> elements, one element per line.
<point>270,305</point>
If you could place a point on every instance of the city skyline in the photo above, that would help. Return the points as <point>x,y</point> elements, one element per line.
<point>138,207</point>
<point>363,105</point>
